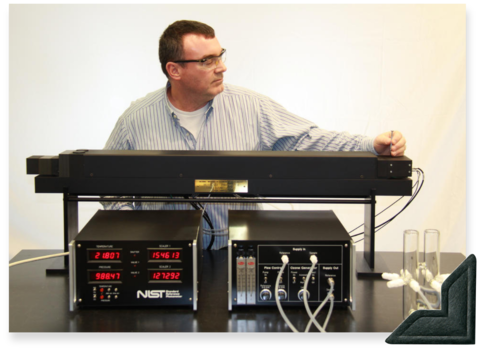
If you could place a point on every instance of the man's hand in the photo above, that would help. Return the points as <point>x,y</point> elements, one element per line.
<point>382,144</point>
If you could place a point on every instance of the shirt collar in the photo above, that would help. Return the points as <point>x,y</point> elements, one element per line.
<point>211,103</point>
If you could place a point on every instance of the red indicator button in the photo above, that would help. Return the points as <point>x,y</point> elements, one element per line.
<point>101,297</point>
<point>250,263</point>
<point>241,263</point>
<point>101,289</point>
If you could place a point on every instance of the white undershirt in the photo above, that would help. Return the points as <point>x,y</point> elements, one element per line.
<point>191,121</point>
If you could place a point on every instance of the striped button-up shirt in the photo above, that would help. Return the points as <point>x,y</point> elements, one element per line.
<point>236,120</point>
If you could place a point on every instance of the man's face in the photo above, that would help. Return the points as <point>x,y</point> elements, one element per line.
<point>196,80</point>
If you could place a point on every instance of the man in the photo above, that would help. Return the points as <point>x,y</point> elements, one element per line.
<point>197,111</point>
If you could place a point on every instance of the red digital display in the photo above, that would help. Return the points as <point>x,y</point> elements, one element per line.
<point>165,275</point>
<point>103,276</point>
<point>164,254</point>
<point>104,255</point>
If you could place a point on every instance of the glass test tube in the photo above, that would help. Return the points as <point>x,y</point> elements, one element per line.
<point>410,265</point>
<point>432,251</point>
<point>431,239</point>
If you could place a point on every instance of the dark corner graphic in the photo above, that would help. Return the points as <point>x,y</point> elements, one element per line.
<point>454,323</point>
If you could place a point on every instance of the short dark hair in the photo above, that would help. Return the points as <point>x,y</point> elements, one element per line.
<point>170,46</point>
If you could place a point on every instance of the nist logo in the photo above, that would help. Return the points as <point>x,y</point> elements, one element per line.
<point>150,294</point>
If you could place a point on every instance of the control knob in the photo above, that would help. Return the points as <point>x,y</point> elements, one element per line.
<point>282,294</point>
<point>265,294</point>
<point>300,294</point>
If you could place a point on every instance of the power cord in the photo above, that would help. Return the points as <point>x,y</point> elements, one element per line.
<point>198,206</point>
<point>38,258</point>
<point>205,215</point>
<point>417,186</point>
<point>275,207</point>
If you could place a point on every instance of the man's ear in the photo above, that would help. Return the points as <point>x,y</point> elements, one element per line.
<point>174,70</point>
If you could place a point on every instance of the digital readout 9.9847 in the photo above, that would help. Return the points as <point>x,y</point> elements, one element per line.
<point>173,254</point>
<point>104,276</point>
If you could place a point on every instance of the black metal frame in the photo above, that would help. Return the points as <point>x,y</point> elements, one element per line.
<point>314,177</point>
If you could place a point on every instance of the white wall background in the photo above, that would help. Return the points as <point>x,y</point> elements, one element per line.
<point>366,69</point>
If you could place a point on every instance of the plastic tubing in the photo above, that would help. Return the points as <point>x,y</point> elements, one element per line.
<point>280,309</point>
<point>314,261</point>
<point>319,308</point>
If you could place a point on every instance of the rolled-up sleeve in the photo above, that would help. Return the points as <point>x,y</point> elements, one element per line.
<point>281,130</point>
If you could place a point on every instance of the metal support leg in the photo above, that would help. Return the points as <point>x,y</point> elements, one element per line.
<point>70,231</point>
<point>369,231</point>
<point>372,264</point>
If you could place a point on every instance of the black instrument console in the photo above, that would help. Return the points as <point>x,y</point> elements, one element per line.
<point>258,240</point>
<point>137,258</point>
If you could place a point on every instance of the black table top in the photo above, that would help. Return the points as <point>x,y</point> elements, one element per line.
<point>39,303</point>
